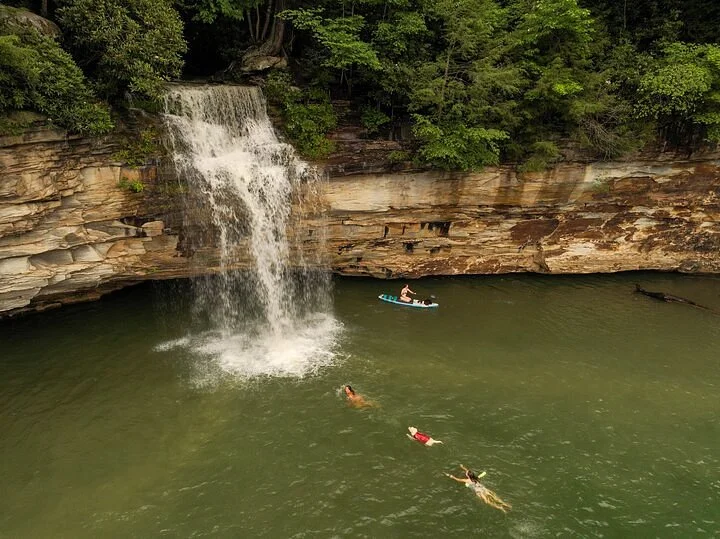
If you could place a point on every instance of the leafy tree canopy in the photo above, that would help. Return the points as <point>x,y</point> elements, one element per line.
<point>340,36</point>
<point>470,81</point>
<point>682,84</point>
<point>36,74</point>
<point>125,45</point>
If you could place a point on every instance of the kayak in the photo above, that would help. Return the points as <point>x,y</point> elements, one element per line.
<point>415,303</point>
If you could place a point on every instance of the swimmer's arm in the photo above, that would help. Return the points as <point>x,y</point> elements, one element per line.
<point>482,474</point>
<point>458,479</point>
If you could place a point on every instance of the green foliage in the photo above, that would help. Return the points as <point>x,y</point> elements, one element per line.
<point>208,11</point>
<point>307,126</point>
<point>456,146</point>
<point>138,150</point>
<point>602,73</point>
<point>544,155</point>
<point>398,156</point>
<point>36,74</point>
<point>684,83</point>
<point>601,185</point>
<point>553,25</point>
<point>134,186</point>
<point>340,36</point>
<point>125,45</point>
<point>279,88</point>
<point>476,78</point>
<point>307,116</point>
<point>15,123</point>
<point>444,86</point>
<point>400,36</point>
<point>373,119</point>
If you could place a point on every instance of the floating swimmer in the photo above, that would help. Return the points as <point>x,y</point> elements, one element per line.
<point>485,494</point>
<point>421,437</point>
<point>358,401</point>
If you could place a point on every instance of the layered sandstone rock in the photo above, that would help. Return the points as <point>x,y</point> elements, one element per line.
<point>70,229</point>
<point>576,218</point>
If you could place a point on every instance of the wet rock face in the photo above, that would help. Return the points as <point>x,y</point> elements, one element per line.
<point>71,229</point>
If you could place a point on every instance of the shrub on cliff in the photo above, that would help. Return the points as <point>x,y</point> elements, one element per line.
<point>681,87</point>
<point>36,74</point>
<point>307,115</point>
<point>125,45</point>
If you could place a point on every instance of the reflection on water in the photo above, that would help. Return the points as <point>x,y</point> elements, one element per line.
<point>592,409</point>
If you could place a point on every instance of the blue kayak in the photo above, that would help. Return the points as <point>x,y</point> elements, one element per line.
<point>415,303</point>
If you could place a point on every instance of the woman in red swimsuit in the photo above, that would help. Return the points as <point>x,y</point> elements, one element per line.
<point>421,437</point>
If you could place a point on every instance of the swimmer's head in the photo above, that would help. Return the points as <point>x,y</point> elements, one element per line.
<point>471,476</point>
<point>412,430</point>
<point>349,391</point>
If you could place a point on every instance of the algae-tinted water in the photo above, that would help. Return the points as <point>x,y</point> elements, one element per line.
<point>594,411</point>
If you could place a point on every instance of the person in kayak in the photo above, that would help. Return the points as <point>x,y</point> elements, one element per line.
<point>358,401</point>
<point>472,481</point>
<point>404,294</point>
<point>421,437</point>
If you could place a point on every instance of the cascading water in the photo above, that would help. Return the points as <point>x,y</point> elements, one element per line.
<point>267,306</point>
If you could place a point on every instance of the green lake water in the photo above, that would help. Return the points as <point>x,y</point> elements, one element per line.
<point>593,410</point>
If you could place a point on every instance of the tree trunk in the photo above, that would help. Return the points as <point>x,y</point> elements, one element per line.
<point>250,25</point>
<point>268,43</point>
<point>268,16</point>
<point>44,8</point>
<point>445,81</point>
<point>278,30</point>
<point>257,23</point>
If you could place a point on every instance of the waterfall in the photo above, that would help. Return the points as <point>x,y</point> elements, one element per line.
<point>267,306</point>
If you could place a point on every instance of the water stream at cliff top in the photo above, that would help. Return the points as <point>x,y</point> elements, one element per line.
<point>243,191</point>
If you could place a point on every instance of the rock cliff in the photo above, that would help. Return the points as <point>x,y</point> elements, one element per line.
<point>575,218</point>
<point>68,230</point>
<point>71,229</point>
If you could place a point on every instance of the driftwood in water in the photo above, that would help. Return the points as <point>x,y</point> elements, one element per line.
<point>669,298</point>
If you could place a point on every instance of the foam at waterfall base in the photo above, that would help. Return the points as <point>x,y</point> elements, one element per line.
<point>301,349</point>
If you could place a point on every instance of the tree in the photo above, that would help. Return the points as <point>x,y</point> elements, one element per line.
<point>125,45</point>
<point>466,31</point>
<point>36,74</point>
<point>265,29</point>
<point>453,93</point>
<point>340,38</point>
<point>681,89</point>
<point>456,146</point>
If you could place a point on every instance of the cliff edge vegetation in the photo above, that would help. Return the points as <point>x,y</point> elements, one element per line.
<point>469,82</point>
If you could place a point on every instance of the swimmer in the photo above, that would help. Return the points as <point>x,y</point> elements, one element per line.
<point>485,494</point>
<point>358,401</point>
<point>421,437</point>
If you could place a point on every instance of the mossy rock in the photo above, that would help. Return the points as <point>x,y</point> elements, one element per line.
<point>18,19</point>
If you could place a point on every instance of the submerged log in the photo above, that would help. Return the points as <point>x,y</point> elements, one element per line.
<point>669,298</point>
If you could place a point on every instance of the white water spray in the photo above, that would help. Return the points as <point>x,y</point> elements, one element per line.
<point>244,183</point>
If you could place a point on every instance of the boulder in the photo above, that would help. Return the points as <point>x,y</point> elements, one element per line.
<point>18,19</point>
<point>263,63</point>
